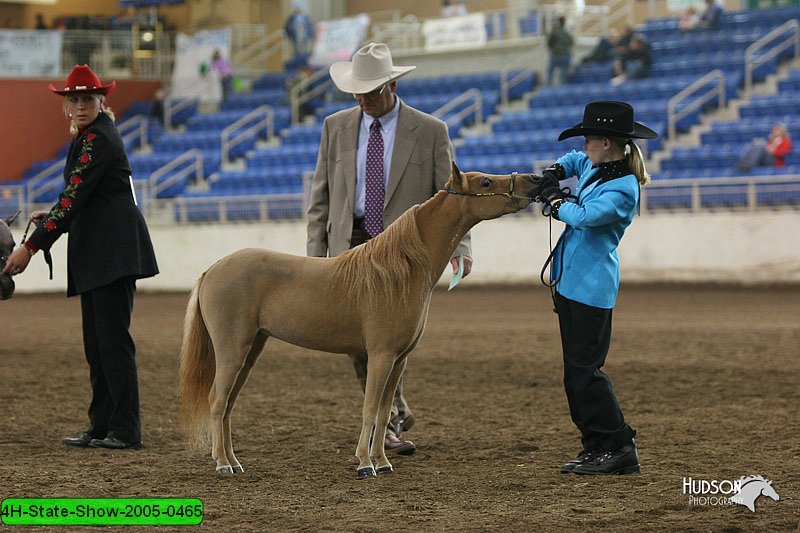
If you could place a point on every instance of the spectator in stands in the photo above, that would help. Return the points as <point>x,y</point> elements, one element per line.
<point>635,62</point>
<point>453,9</point>
<point>376,160</point>
<point>689,20</point>
<point>585,275</point>
<point>605,48</point>
<point>157,106</point>
<point>40,23</point>
<point>764,153</point>
<point>300,30</point>
<point>560,44</point>
<point>224,70</point>
<point>712,16</point>
<point>109,249</point>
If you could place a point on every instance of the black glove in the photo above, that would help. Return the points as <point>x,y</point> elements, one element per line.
<point>548,186</point>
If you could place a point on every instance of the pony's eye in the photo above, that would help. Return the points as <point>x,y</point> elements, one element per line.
<point>486,182</point>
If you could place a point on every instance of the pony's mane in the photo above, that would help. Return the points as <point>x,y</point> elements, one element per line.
<point>379,269</point>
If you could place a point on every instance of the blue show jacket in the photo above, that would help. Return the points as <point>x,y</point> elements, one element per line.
<point>585,260</point>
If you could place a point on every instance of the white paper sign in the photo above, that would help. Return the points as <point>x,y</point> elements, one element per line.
<point>452,33</point>
<point>338,40</point>
<point>193,76</point>
<point>30,53</point>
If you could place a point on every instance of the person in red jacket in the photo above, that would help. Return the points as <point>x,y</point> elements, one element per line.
<point>109,248</point>
<point>773,151</point>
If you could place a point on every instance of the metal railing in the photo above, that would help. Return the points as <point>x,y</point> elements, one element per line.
<point>133,129</point>
<point>245,127</point>
<point>733,193</point>
<point>245,208</point>
<point>475,107</point>
<point>752,62</point>
<point>194,156</point>
<point>313,86</point>
<point>172,106</point>
<point>46,180</point>
<point>673,116</point>
<point>519,68</point>
<point>253,47</point>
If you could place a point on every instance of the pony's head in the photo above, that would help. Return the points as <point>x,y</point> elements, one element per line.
<point>6,247</point>
<point>490,196</point>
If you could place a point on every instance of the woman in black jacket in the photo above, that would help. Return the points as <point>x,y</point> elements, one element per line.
<point>109,248</point>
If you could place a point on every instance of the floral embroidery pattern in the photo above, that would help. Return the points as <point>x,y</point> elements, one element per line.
<point>66,198</point>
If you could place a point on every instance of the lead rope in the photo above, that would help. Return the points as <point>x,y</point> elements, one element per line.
<point>546,211</point>
<point>47,257</point>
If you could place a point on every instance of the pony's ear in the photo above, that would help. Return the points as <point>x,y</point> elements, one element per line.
<point>458,178</point>
<point>10,219</point>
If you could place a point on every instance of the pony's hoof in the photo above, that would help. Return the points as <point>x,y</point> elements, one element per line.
<point>366,472</point>
<point>385,469</point>
<point>224,470</point>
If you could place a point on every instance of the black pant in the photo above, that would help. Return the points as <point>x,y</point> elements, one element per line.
<point>585,338</point>
<point>111,355</point>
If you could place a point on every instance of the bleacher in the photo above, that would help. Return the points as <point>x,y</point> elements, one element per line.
<point>266,180</point>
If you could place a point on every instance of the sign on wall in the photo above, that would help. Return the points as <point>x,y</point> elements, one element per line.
<point>468,31</point>
<point>338,40</point>
<point>30,53</point>
<point>192,76</point>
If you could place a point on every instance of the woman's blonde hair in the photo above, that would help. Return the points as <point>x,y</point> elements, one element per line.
<point>101,100</point>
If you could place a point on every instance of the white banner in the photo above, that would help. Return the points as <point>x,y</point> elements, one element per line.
<point>468,31</point>
<point>193,76</point>
<point>338,40</point>
<point>30,53</point>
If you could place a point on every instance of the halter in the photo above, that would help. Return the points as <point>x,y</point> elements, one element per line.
<point>510,194</point>
<point>47,257</point>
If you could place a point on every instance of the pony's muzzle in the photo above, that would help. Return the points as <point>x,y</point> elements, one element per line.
<point>6,287</point>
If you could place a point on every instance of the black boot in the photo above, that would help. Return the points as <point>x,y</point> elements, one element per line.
<point>583,457</point>
<point>623,460</point>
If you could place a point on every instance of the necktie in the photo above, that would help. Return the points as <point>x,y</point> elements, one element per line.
<point>373,205</point>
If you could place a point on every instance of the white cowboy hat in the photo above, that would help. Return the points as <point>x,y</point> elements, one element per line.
<point>370,68</point>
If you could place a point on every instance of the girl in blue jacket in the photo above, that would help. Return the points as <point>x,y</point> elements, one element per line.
<point>585,275</point>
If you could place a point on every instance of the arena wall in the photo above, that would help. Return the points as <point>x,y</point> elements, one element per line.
<point>710,247</point>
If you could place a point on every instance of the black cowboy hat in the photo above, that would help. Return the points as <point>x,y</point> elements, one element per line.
<point>610,119</point>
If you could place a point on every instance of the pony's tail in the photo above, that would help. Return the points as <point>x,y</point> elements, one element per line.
<point>196,372</point>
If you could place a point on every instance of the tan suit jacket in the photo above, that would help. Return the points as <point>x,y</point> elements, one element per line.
<point>420,166</point>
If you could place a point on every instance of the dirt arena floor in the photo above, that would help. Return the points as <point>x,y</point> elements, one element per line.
<point>707,375</point>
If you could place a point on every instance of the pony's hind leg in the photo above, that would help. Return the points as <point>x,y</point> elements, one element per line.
<point>241,380</point>
<point>231,357</point>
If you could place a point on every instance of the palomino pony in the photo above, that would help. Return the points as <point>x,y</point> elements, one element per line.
<point>371,300</point>
<point>6,247</point>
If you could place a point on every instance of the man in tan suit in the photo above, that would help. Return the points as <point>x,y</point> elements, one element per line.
<point>416,162</point>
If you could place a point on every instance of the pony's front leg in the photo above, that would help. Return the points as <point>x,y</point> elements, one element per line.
<point>379,366</point>
<point>382,464</point>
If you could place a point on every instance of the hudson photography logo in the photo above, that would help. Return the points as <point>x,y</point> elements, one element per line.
<point>743,491</point>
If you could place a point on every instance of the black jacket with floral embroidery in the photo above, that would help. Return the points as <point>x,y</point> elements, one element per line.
<point>108,237</point>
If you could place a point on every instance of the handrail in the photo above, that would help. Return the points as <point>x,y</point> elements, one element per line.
<point>228,141</point>
<point>537,56</point>
<point>702,82</point>
<point>44,180</point>
<point>476,106</point>
<point>171,108</point>
<point>602,17</point>
<point>138,126</point>
<point>226,203</point>
<point>153,187</point>
<point>751,62</point>
<point>300,93</point>
<point>253,58</point>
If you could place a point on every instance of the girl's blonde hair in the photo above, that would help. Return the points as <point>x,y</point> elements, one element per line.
<point>635,159</point>
<point>101,100</point>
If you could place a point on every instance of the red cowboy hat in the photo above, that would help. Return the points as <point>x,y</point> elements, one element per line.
<point>83,80</point>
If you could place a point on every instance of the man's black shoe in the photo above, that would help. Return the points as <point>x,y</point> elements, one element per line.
<point>114,443</point>
<point>625,460</point>
<point>581,458</point>
<point>78,442</point>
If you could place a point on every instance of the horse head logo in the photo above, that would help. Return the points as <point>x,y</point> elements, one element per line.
<point>750,488</point>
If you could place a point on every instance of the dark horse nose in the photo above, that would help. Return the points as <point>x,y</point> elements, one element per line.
<point>6,287</point>
<point>533,185</point>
